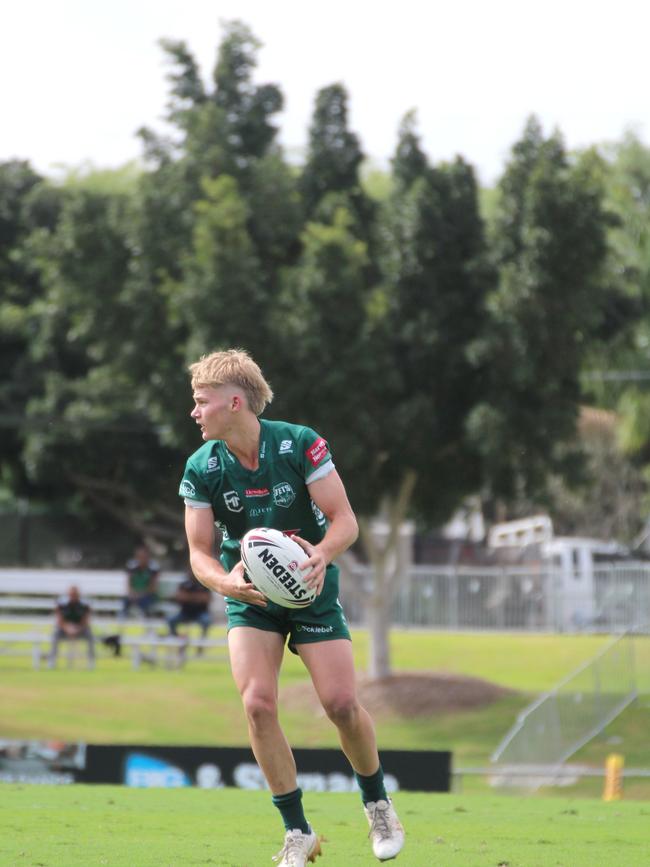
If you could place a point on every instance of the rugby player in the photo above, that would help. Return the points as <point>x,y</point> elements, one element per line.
<point>251,472</point>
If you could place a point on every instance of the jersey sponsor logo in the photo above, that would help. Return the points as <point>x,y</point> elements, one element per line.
<point>233,503</point>
<point>258,511</point>
<point>320,517</point>
<point>316,451</point>
<point>187,489</point>
<point>257,492</point>
<point>213,465</point>
<point>286,446</point>
<point>283,495</point>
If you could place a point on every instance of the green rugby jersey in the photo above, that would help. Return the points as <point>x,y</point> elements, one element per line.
<point>274,495</point>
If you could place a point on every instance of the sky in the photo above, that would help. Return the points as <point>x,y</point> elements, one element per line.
<point>79,77</point>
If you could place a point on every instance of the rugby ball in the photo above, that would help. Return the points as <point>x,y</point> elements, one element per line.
<point>272,561</point>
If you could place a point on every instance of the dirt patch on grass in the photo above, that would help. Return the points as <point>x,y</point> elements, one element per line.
<point>407,695</point>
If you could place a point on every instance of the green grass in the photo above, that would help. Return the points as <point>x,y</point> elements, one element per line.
<point>523,661</point>
<point>114,703</point>
<point>199,704</point>
<point>89,826</point>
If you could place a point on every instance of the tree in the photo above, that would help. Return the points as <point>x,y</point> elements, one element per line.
<point>131,281</point>
<point>611,498</point>
<point>221,288</point>
<point>26,205</point>
<point>435,278</point>
<point>330,177</point>
<point>89,439</point>
<point>334,152</point>
<point>618,368</point>
<point>386,366</point>
<point>550,245</point>
<point>247,108</point>
<point>217,266</point>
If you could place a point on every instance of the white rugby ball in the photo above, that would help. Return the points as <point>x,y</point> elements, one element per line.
<point>272,561</point>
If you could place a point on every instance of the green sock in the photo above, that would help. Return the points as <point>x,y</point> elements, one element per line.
<point>290,807</point>
<point>372,787</point>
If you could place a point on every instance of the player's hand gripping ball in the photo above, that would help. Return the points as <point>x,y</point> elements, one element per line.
<point>272,561</point>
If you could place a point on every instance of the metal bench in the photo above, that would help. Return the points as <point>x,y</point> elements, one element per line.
<point>45,603</point>
<point>28,596</point>
<point>37,645</point>
<point>34,591</point>
<point>171,651</point>
<point>25,643</point>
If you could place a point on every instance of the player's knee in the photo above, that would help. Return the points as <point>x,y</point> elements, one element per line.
<point>260,708</point>
<point>342,709</point>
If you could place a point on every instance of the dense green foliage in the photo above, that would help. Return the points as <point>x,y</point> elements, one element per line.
<point>440,357</point>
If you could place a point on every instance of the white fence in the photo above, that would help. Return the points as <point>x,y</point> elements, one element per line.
<point>503,598</point>
<point>446,597</point>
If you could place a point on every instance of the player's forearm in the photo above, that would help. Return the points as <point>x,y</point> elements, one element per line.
<point>208,570</point>
<point>341,533</point>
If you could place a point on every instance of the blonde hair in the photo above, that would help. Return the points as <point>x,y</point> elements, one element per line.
<point>233,367</point>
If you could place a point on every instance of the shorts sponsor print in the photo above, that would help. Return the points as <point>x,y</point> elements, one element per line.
<point>323,620</point>
<point>314,630</point>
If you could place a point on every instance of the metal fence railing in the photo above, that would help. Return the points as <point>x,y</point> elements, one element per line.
<point>502,598</point>
<point>561,721</point>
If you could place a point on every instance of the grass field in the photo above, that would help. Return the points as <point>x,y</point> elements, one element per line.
<point>84,826</point>
<point>199,704</point>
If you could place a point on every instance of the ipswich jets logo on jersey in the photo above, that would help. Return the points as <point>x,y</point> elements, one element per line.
<point>283,495</point>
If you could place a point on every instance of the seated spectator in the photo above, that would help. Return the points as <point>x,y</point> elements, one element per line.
<point>142,577</point>
<point>72,624</point>
<point>194,601</point>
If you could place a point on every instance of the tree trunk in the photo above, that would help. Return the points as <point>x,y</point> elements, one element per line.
<point>379,632</point>
<point>386,575</point>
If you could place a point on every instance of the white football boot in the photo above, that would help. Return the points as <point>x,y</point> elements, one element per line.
<point>386,832</point>
<point>298,849</point>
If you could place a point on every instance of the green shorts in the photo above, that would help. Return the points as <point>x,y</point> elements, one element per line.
<point>323,620</point>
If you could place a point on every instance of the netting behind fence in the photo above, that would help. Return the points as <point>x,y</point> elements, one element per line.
<point>563,720</point>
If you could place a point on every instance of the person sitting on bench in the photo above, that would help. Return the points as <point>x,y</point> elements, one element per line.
<point>72,623</point>
<point>194,601</point>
